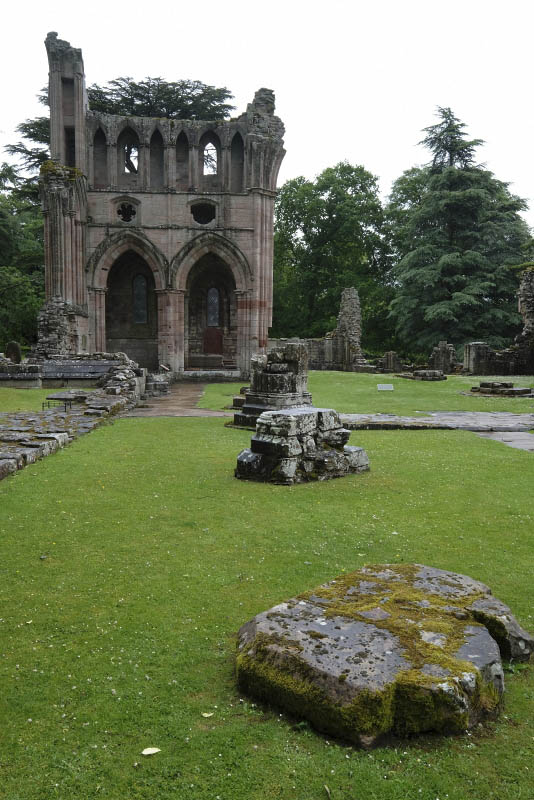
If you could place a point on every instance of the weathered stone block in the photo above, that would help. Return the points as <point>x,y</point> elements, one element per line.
<point>311,453</point>
<point>7,467</point>
<point>357,458</point>
<point>394,648</point>
<point>249,464</point>
<point>277,446</point>
<point>292,422</point>
<point>338,437</point>
<point>327,419</point>
<point>286,470</point>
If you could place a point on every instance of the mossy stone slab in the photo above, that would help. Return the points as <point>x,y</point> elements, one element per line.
<point>389,649</point>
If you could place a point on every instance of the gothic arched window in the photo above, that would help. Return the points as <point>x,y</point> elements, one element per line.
<point>213,308</point>
<point>140,298</point>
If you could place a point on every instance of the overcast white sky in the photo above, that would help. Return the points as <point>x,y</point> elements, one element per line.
<point>354,80</point>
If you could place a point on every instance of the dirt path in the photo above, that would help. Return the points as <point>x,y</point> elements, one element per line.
<point>180,402</point>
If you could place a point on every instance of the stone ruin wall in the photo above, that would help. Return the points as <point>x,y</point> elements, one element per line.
<point>481,359</point>
<point>184,230</point>
<point>340,350</point>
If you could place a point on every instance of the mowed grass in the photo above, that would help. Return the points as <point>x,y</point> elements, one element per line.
<point>350,392</point>
<point>23,399</point>
<point>131,558</point>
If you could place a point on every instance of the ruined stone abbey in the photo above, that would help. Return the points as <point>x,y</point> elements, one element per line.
<point>158,232</point>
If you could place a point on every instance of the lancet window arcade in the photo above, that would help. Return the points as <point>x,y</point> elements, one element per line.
<point>150,165</point>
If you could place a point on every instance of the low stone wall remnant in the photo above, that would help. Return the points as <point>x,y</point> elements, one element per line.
<point>28,436</point>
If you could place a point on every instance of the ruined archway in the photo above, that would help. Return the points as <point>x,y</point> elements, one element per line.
<point>131,310</point>
<point>210,315</point>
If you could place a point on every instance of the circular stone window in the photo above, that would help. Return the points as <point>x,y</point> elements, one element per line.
<point>203,213</point>
<point>126,212</point>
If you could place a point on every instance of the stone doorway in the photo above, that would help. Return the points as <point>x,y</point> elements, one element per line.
<point>131,310</point>
<point>211,315</point>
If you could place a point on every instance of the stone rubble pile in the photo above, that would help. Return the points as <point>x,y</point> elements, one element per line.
<point>503,388</point>
<point>423,375</point>
<point>295,445</point>
<point>121,379</point>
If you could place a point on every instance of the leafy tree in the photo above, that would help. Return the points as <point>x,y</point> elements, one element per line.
<point>20,300</point>
<point>455,232</point>
<point>21,260</point>
<point>327,237</point>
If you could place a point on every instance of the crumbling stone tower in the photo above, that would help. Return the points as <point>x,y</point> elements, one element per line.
<point>148,250</point>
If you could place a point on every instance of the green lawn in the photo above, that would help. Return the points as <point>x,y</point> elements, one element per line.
<point>23,399</point>
<point>131,558</point>
<point>349,392</point>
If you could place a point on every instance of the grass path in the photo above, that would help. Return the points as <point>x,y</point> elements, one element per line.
<point>131,558</point>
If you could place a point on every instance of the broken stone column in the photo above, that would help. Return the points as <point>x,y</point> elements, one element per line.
<point>477,358</point>
<point>279,380</point>
<point>348,333</point>
<point>296,445</point>
<point>391,362</point>
<point>443,357</point>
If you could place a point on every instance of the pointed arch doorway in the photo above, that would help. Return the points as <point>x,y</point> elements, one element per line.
<point>211,315</point>
<point>131,310</point>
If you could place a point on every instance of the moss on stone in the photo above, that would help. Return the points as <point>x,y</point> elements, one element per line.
<point>432,694</point>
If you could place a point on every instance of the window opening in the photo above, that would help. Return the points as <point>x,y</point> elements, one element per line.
<point>213,308</point>
<point>203,213</point>
<point>140,297</point>
<point>126,212</point>
<point>182,162</point>
<point>237,153</point>
<point>210,159</point>
<point>131,158</point>
<point>70,147</point>
<point>129,146</point>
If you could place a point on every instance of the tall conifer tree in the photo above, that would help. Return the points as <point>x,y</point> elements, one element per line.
<point>456,231</point>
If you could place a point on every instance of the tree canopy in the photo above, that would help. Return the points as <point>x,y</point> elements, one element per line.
<point>328,236</point>
<point>21,261</point>
<point>455,232</point>
<point>155,97</point>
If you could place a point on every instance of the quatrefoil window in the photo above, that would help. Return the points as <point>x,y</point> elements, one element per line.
<point>126,212</point>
